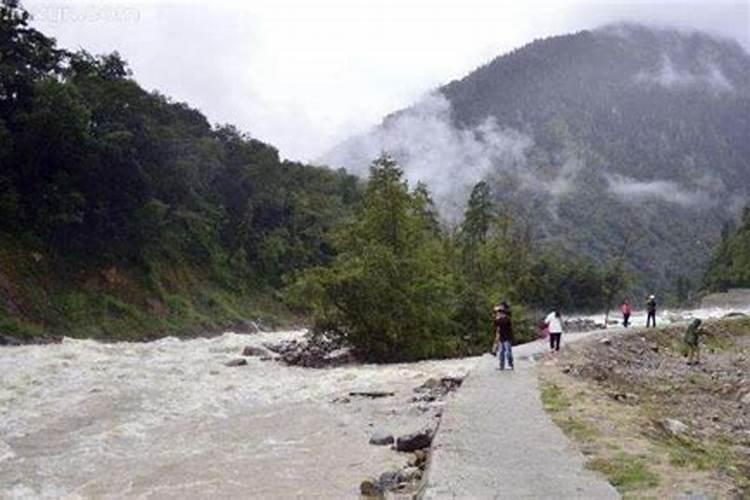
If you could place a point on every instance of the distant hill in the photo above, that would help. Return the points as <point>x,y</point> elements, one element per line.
<point>622,138</point>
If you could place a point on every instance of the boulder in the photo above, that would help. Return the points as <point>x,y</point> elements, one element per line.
<point>381,438</point>
<point>745,400</point>
<point>390,479</point>
<point>236,362</point>
<point>411,473</point>
<point>605,341</point>
<point>674,426</point>
<point>414,441</point>
<point>250,350</point>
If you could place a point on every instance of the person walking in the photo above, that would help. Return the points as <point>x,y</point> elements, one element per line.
<point>626,310</point>
<point>504,336</point>
<point>651,311</point>
<point>555,326</point>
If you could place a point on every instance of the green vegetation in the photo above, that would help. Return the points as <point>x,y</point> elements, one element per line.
<point>553,398</point>
<point>599,116</point>
<point>126,215</point>
<point>403,288</point>
<point>626,472</point>
<point>730,265</point>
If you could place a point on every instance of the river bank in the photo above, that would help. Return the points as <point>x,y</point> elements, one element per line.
<point>654,425</point>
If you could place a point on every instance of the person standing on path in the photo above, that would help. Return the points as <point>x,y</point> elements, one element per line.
<point>555,326</point>
<point>626,310</point>
<point>651,311</point>
<point>504,336</point>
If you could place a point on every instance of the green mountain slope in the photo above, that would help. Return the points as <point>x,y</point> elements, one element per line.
<point>126,215</point>
<point>623,139</point>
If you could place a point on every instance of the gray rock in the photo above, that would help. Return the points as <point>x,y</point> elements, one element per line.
<point>390,479</point>
<point>381,438</point>
<point>372,394</point>
<point>254,351</point>
<point>411,473</point>
<point>415,441</point>
<point>674,426</point>
<point>236,362</point>
<point>605,341</point>
<point>745,399</point>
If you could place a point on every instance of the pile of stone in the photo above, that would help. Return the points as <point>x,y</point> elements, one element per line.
<point>408,478</point>
<point>582,325</point>
<point>314,351</point>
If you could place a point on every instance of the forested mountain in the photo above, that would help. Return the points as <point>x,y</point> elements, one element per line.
<point>624,140</point>
<point>730,264</point>
<point>124,214</point>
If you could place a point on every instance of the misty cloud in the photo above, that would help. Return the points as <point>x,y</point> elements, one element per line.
<point>431,150</point>
<point>635,191</point>
<point>670,76</point>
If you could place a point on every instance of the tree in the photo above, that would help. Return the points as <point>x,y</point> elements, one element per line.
<point>26,55</point>
<point>389,290</point>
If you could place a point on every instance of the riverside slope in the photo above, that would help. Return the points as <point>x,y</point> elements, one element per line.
<point>496,440</point>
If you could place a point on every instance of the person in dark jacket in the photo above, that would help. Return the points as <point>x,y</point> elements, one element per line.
<point>651,311</point>
<point>504,336</point>
<point>692,341</point>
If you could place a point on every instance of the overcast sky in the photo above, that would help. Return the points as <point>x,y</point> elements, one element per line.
<point>305,74</point>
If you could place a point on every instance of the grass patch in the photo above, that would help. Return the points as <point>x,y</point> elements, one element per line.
<point>578,429</point>
<point>626,472</point>
<point>553,398</point>
<point>685,452</point>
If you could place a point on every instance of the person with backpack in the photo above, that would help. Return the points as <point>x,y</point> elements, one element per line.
<point>651,311</point>
<point>504,336</point>
<point>554,324</point>
<point>692,342</point>
<point>626,310</point>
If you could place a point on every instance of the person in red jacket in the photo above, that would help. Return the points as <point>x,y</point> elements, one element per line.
<point>626,310</point>
<point>504,336</point>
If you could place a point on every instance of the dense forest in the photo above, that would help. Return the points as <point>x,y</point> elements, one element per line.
<point>634,143</point>
<point>730,265</point>
<point>126,215</point>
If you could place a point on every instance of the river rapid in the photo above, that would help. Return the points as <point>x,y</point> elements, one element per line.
<point>168,419</point>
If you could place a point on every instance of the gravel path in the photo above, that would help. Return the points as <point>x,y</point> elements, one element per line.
<point>496,440</point>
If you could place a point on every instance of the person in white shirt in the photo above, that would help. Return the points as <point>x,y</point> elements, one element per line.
<point>555,326</point>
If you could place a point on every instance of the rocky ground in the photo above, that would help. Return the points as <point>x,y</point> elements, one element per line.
<point>656,426</point>
<point>423,409</point>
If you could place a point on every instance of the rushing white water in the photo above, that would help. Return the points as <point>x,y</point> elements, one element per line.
<point>666,317</point>
<point>167,419</point>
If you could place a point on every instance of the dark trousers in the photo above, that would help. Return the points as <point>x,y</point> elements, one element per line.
<point>651,318</point>
<point>554,341</point>
<point>625,320</point>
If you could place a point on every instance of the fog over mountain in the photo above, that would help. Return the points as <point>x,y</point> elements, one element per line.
<point>624,136</point>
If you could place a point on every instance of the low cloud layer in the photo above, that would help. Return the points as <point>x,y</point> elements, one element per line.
<point>431,150</point>
<point>634,191</point>
<point>669,76</point>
